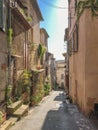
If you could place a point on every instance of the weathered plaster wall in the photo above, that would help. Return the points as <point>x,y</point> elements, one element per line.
<point>91,61</point>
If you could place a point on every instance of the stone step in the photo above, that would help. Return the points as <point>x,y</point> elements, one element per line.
<point>2,117</point>
<point>13,120</point>
<point>13,107</point>
<point>6,125</point>
<point>22,111</point>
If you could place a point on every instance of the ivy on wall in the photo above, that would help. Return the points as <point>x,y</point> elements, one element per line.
<point>87,4</point>
<point>10,33</point>
<point>24,85</point>
<point>41,50</point>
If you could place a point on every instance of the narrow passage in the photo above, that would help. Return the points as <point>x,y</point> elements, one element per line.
<point>53,114</point>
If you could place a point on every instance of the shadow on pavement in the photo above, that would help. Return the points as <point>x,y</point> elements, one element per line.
<point>61,96</point>
<point>59,118</point>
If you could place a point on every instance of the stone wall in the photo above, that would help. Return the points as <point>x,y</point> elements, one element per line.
<point>3,68</point>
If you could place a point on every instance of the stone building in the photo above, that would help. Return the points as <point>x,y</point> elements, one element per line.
<point>38,69</point>
<point>44,41</point>
<point>22,21</point>
<point>66,72</point>
<point>83,53</point>
<point>60,73</point>
<point>3,70</point>
<point>3,58</point>
<point>26,35</point>
<point>53,72</point>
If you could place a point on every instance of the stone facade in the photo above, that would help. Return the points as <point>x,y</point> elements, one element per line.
<point>25,25</point>
<point>66,72</point>
<point>53,72</point>
<point>44,41</point>
<point>3,70</point>
<point>60,73</point>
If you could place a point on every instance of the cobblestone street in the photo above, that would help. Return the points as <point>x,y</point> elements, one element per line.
<point>53,113</point>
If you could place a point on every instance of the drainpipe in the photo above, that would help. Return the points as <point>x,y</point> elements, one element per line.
<point>25,51</point>
<point>9,40</point>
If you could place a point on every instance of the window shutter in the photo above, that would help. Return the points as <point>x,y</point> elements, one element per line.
<point>2,15</point>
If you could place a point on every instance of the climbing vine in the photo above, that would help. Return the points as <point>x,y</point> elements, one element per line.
<point>41,50</point>
<point>10,33</point>
<point>24,85</point>
<point>88,4</point>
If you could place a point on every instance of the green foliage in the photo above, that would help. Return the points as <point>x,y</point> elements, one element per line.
<point>41,50</point>
<point>35,72</point>
<point>13,51</point>
<point>9,90</point>
<point>47,88</point>
<point>24,86</point>
<point>29,19</point>
<point>33,45</point>
<point>9,101</point>
<point>10,33</point>
<point>8,94</point>
<point>36,99</point>
<point>0,117</point>
<point>22,12</point>
<point>87,4</point>
<point>25,81</point>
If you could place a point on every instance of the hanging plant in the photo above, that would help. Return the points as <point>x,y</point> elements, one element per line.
<point>29,19</point>
<point>88,4</point>
<point>41,50</point>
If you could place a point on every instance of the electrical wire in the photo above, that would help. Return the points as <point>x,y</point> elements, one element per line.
<point>52,5</point>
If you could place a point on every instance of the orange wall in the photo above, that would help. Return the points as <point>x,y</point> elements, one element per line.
<point>83,65</point>
<point>91,59</point>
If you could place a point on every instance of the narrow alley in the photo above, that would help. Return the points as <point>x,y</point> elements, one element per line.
<point>53,113</point>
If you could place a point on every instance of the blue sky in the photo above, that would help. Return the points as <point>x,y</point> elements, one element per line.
<point>55,22</point>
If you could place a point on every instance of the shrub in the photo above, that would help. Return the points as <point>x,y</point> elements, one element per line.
<point>47,88</point>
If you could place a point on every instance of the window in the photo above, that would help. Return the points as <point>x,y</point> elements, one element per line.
<point>70,47</point>
<point>75,5</point>
<point>46,71</point>
<point>75,39</point>
<point>62,85</point>
<point>2,15</point>
<point>62,76</point>
<point>69,20</point>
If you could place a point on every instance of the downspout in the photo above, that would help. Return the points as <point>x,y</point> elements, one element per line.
<point>9,40</point>
<point>25,51</point>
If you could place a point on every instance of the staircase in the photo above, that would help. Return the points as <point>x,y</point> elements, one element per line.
<point>16,111</point>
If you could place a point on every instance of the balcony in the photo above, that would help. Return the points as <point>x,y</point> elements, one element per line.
<point>19,14</point>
